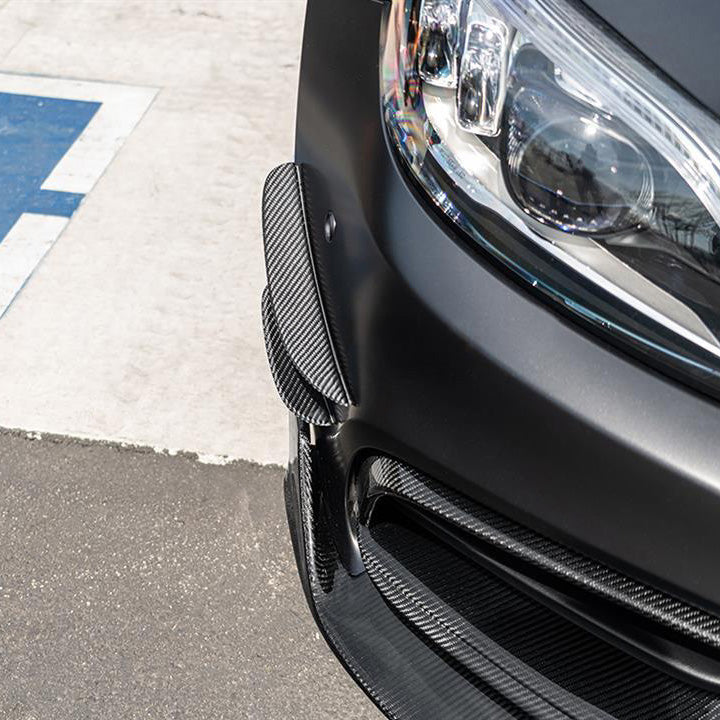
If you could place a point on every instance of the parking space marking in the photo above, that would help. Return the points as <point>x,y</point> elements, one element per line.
<point>57,137</point>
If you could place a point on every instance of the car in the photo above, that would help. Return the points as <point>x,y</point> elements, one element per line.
<point>493,311</point>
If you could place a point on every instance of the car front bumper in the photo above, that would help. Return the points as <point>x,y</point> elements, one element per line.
<point>454,371</point>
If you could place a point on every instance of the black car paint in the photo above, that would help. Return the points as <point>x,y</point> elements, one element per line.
<point>459,371</point>
<point>680,38</point>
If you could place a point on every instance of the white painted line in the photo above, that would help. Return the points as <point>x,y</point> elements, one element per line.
<point>143,323</point>
<point>22,249</point>
<point>121,110</point>
<point>121,107</point>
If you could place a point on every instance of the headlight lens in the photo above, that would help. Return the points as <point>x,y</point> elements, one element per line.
<point>606,178</point>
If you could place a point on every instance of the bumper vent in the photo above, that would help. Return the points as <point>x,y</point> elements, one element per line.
<point>294,301</point>
<point>536,662</point>
<point>429,630</point>
<point>507,536</point>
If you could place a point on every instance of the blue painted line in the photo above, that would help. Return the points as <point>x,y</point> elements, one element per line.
<point>52,202</point>
<point>35,133</point>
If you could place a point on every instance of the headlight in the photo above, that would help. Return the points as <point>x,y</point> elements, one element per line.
<point>606,178</point>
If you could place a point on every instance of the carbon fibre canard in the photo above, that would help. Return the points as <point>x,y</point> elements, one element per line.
<point>293,292</point>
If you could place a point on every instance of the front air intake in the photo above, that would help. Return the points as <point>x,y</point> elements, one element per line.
<point>535,662</point>
<point>464,613</point>
<point>547,557</point>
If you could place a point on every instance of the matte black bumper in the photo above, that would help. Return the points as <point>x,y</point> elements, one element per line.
<point>461,373</point>
<point>456,371</point>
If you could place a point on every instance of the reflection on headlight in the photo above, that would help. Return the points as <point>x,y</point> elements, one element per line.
<point>512,106</point>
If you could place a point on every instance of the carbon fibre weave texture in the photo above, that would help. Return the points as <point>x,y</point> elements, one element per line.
<point>403,481</point>
<point>301,399</point>
<point>429,634</point>
<point>527,689</point>
<point>292,283</point>
<point>546,666</point>
<point>394,665</point>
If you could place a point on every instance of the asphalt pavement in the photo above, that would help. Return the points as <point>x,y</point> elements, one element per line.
<point>135,584</point>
